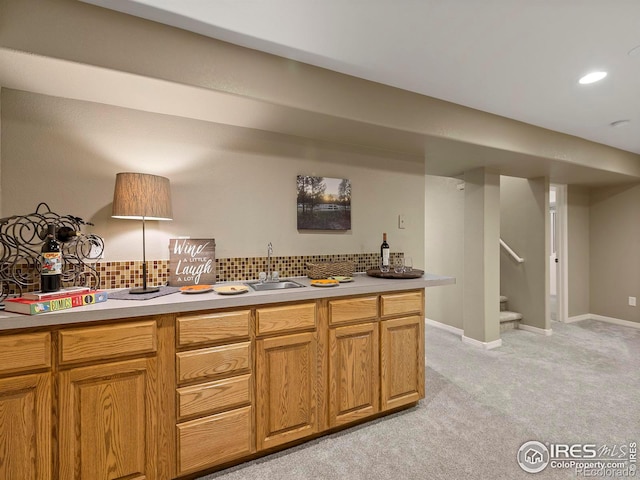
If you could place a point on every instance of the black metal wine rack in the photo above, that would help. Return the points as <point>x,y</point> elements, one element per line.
<point>21,239</point>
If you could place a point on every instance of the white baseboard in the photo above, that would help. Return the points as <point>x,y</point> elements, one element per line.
<point>460,332</point>
<point>484,345</point>
<point>578,318</point>
<point>602,318</point>
<point>444,326</point>
<point>541,331</point>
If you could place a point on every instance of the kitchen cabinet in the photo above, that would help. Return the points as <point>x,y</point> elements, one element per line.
<point>402,349</point>
<point>173,395</point>
<point>108,414</point>
<point>25,407</point>
<point>353,373</point>
<point>353,359</point>
<point>214,392</point>
<point>287,374</point>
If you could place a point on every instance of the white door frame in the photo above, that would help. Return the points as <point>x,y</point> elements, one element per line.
<point>562,250</point>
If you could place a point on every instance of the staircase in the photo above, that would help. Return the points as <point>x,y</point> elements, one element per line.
<point>508,320</point>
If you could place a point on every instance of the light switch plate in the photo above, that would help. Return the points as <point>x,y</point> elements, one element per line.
<point>401,221</point>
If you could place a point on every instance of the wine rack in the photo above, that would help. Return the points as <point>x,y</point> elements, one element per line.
<point>21,238</point>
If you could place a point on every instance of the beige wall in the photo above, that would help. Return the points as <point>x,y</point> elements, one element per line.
<point>578,250</point>
<point>234,184</point>
<point>331,105</point>
<point>614,226</point>
<point>481,255</point>
<point>444,247</point>
<point>524,226</point>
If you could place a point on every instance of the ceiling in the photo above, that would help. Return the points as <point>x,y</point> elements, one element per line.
<point>520,59</point>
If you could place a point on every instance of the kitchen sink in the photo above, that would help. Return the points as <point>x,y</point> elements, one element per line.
<point>279,285</point>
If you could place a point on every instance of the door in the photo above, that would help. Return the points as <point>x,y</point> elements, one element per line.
<point>25,427</point>
<point>108,421</point>
<point>401,361</point>
<point>558,307</point>
<point>287,383</point>
<point>353,373</point>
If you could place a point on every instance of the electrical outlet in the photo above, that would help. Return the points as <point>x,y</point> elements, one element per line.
<point>632,301</point>
<point>401,221</point>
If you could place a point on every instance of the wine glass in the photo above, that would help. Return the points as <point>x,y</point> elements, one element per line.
<point>398,265</point>
<point>408,264</point>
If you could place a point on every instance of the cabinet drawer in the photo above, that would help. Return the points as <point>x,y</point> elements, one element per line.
<point>213,362</point>
<point>213,440</point>
<point>348,310</point>
<point>288,318</point>
<point>107,342</point>
<point>212,327</point>
<point>212,397</point>
<point>23,352</point>
<point>396,303</point>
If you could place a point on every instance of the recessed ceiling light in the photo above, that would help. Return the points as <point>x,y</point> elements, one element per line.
<point>592,77</point>
<point>620,123</point>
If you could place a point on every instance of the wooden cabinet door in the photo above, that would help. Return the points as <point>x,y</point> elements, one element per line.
<point>287,382</point>
<point>108,421</point>
<point>25,427</point>
<point>402,361</point>
<point>353,373</point>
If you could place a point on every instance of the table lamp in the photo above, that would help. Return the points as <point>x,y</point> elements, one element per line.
<point>141,196</point>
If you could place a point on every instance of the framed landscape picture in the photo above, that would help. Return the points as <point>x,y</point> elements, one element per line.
<point>323,203</point>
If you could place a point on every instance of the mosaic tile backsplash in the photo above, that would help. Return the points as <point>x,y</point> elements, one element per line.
<point>129,274</point>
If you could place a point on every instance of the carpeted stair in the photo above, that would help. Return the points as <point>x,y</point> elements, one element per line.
<point>508,320</point>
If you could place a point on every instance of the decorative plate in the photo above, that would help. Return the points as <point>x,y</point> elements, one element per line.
<point>342,279</point>
<point>196,288</point>
<point>231,289</point>
<point>325,282</point>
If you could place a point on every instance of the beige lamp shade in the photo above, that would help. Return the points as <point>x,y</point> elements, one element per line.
<point>142,196</point>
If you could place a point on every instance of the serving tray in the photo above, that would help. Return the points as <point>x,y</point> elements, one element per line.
<point>375,272</point>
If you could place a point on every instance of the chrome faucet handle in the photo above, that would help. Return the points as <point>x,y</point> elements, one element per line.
<point>262,277</point>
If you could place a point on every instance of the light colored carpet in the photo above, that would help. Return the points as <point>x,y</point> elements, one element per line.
<point>582,384</point>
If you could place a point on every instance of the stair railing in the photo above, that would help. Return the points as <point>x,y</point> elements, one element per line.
<point>510,251</point>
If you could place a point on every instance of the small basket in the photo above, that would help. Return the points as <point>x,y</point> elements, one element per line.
<point>330,269</point>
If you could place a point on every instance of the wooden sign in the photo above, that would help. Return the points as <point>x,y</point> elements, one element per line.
<point>192,261</point>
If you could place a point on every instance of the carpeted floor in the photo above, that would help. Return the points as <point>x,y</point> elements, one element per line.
<point>580,385</point>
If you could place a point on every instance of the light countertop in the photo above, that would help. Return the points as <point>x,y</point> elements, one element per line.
<point>179,302</point>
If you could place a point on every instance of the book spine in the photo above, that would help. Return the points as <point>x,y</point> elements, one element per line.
<point>88,298</point>
<point>36,308</point>
<point>57,304</point>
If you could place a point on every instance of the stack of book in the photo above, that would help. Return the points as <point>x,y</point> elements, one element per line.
<point>33,303</point>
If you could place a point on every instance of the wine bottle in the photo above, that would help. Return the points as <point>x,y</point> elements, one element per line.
<point>384,251</point>
<point>51,262</point>
<point>66,234</point>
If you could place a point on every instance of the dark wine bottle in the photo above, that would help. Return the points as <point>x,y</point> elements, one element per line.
<point>51,263</point>
<point>66,234</point>
<point>384,251</point>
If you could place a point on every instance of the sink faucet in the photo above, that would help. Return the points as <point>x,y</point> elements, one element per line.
<point>269,253</point>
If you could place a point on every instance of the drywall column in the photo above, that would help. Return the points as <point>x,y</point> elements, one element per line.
<point>578,251</point>
<point>481,258</point>
<point>524,216</point>
<point>444,247</point>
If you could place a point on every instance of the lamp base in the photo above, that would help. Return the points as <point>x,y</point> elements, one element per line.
<point>144,290</point>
